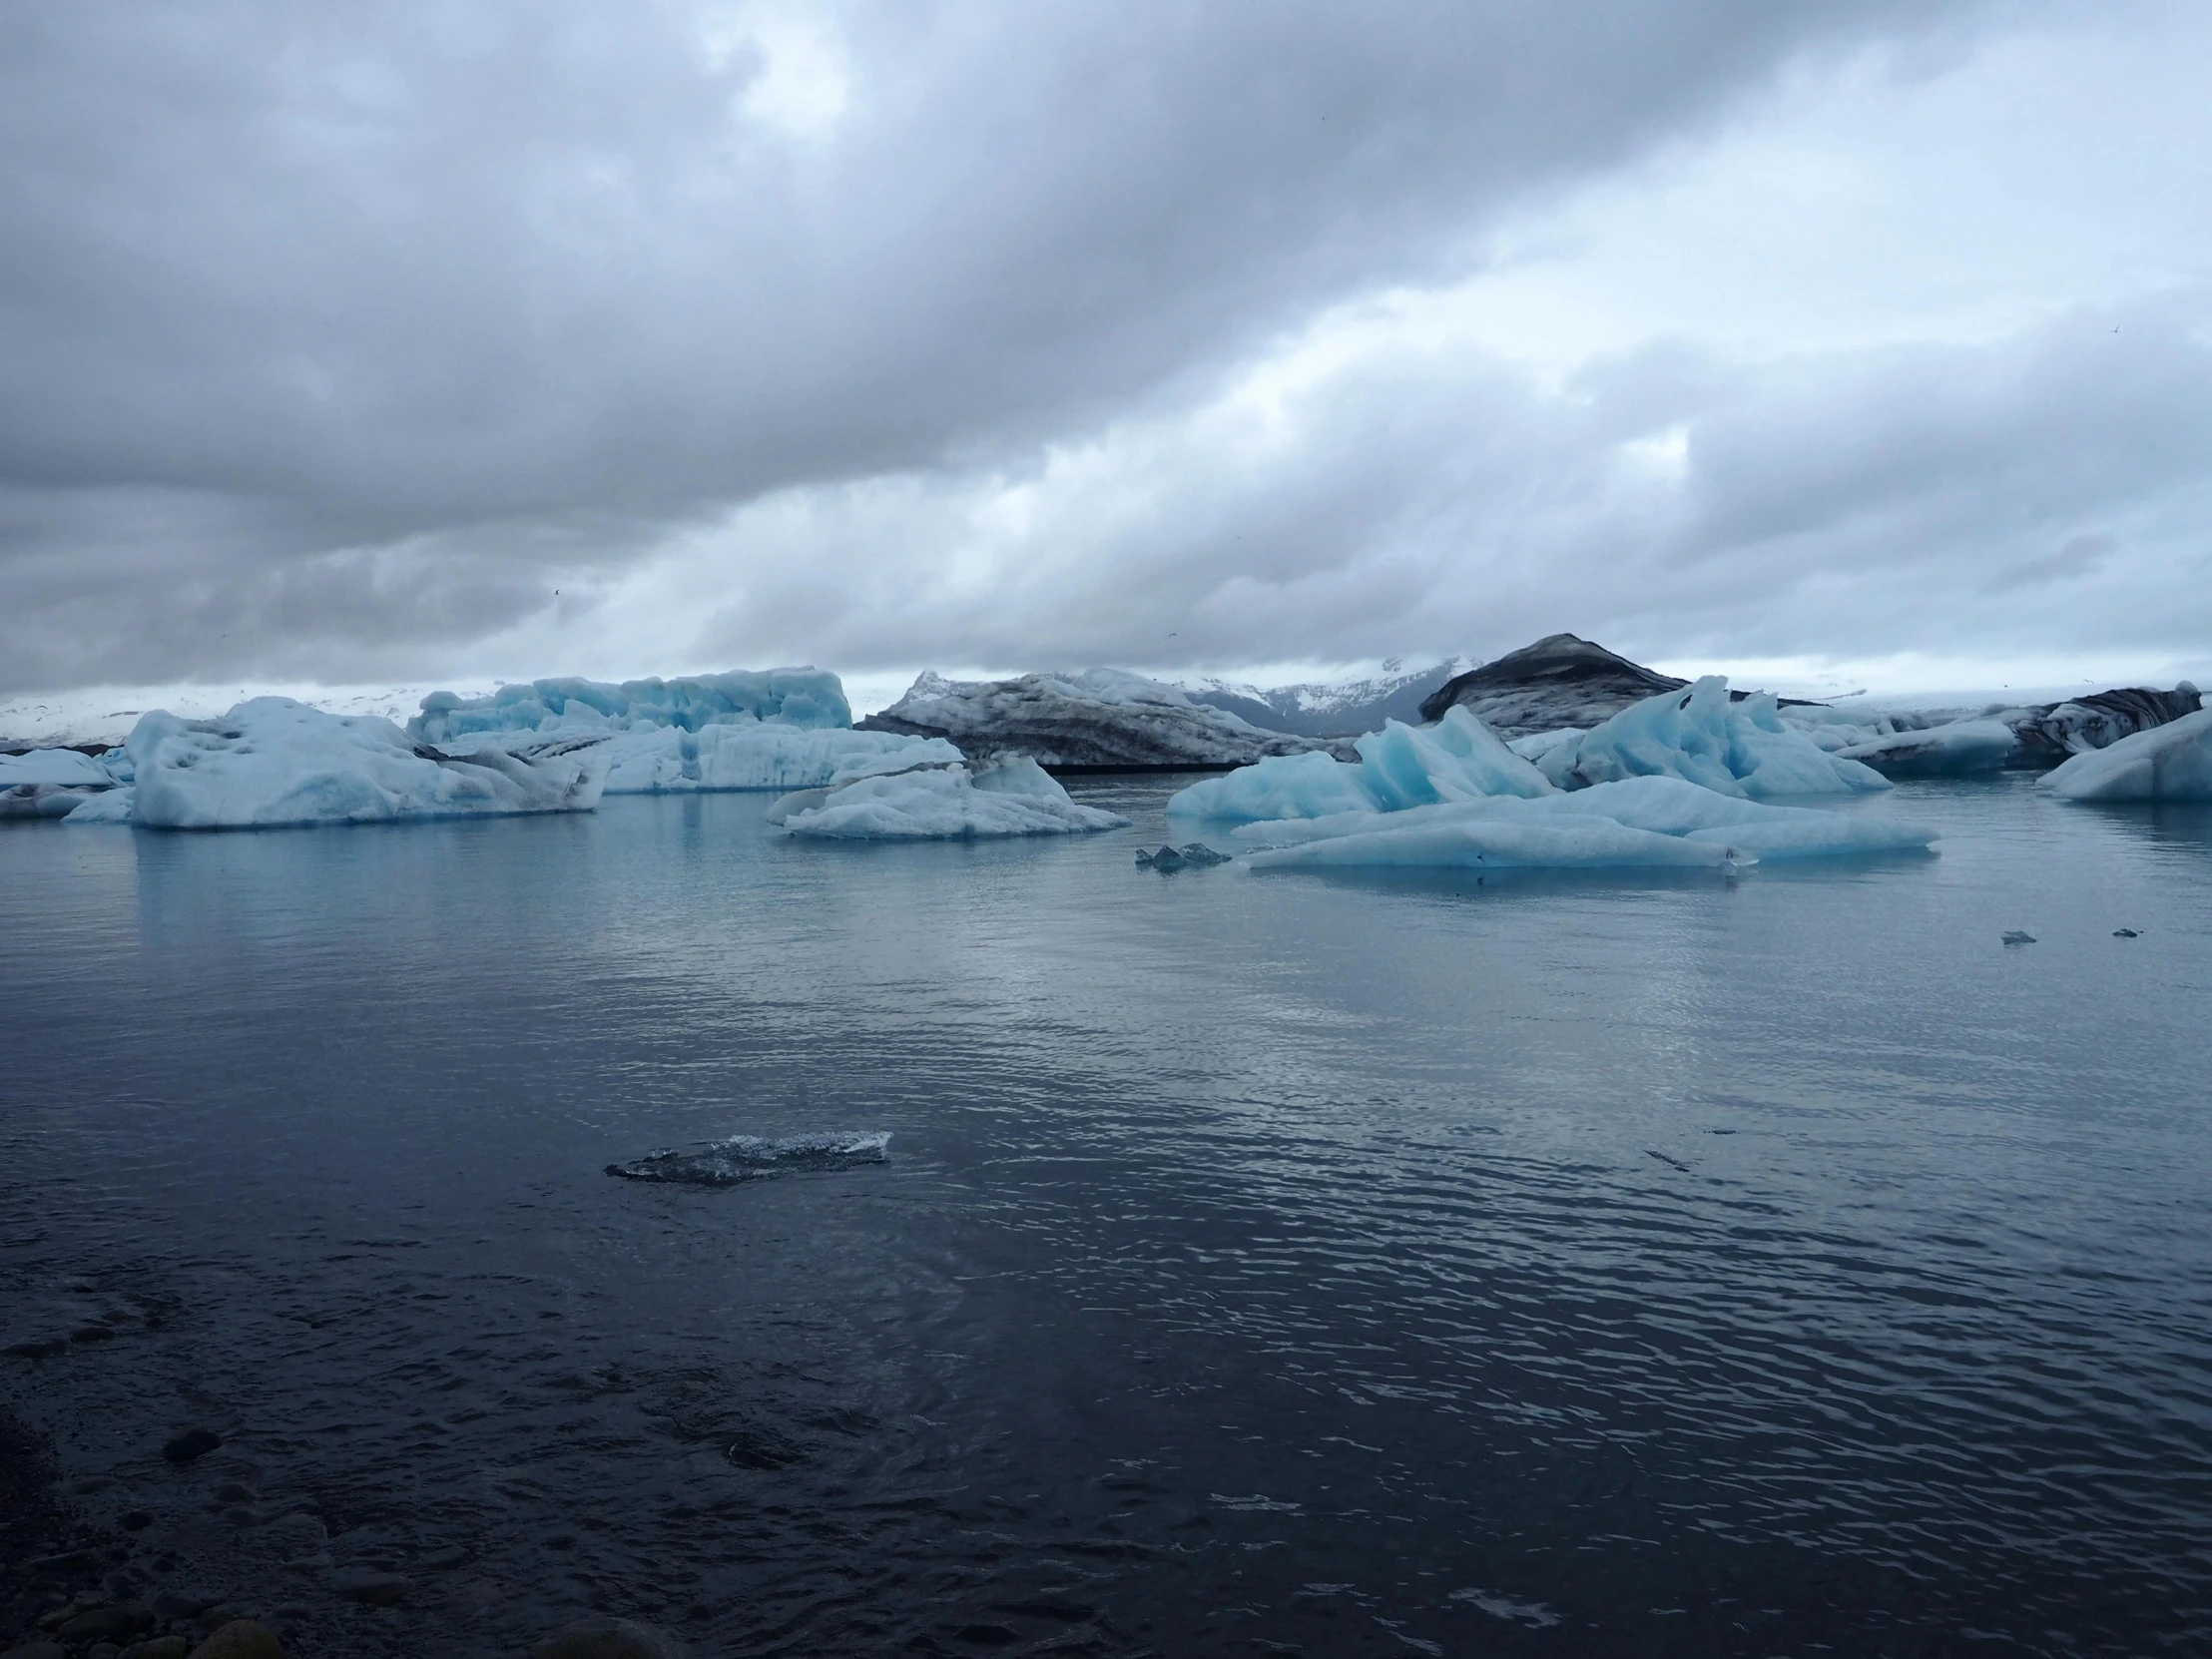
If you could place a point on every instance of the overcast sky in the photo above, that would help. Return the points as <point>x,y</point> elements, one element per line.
<point>352,343</point>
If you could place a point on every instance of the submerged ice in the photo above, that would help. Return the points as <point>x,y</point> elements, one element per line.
<point>724,1163</point>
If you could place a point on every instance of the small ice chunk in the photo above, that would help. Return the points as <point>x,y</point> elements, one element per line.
<point>750,1158</point>
<point>1190,855</point>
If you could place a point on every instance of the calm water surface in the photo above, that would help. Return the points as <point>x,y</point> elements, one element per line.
<point>1342,1265</point>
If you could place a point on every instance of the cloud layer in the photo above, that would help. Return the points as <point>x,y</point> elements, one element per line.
<point>390,340</point>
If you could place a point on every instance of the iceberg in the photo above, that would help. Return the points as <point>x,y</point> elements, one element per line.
<point>2052,732</point>
<point>1704,737</point>
<point>1951,750</point>
<point>1011,796</point>
<point>1561,680</point>
<point>271,763</point>
<point>808,698</point>
<point>1102,718</point>
<point>50,783</point>
<point>1459,758</point>
<point>1639,822</point>
<point>2172,762</point>
<point>757,755</point>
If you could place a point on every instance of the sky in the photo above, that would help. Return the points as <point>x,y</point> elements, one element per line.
<point>1851,343</point>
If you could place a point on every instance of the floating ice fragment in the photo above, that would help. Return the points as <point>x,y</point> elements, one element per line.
<point>750,1158</point>
<point>1192,854</point>
<point>271,762</point>
<point>1534,1614</point>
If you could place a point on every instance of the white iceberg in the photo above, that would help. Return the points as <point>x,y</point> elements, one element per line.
<point>272,762</point>
<point>1641,822</point>
<point>2165,763</point>
<point>1702,736</point>
<point>808,697</point>
<point>1102,718</point>
<point>50,783</point>
<point>1014,796</point>
<point>754,754</point>
<point>1459,758</point>
<point>1953,749</point>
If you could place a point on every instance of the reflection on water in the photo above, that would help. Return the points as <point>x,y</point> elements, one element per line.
<point>1647,1266</point>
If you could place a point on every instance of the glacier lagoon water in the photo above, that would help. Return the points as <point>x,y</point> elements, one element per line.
<point>1360,1264</point>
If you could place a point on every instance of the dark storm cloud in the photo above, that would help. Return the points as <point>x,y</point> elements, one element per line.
<point>359,328</point>
<point>2049,486</point>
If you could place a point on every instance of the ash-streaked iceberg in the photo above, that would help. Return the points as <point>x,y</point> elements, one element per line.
<point>1011,796</point>
<point>51,782</point>
<point>1705,737</point>
<point>273,762</point>
<point>1102,718</point>
<point>1954,749</point>
<point>1561,680</point>
<point>1635,823</point>
<point>2167,762</point>
<point>1459,758</point>
<point>808,697</point>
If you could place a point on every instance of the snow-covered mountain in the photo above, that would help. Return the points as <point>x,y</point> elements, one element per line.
<point>1327,710</point>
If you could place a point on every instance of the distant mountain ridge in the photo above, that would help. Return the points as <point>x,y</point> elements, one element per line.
<point>1316,708</point>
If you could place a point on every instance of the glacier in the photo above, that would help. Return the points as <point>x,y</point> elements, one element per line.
<point>1401,765</point>
<point>808,697</point>
<point>273,762</point>
<point>1703,735</point>
<point>1011,796</point>
<point>1633,823</point>
<point>2172,762</point>
<point>1102,718</point>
